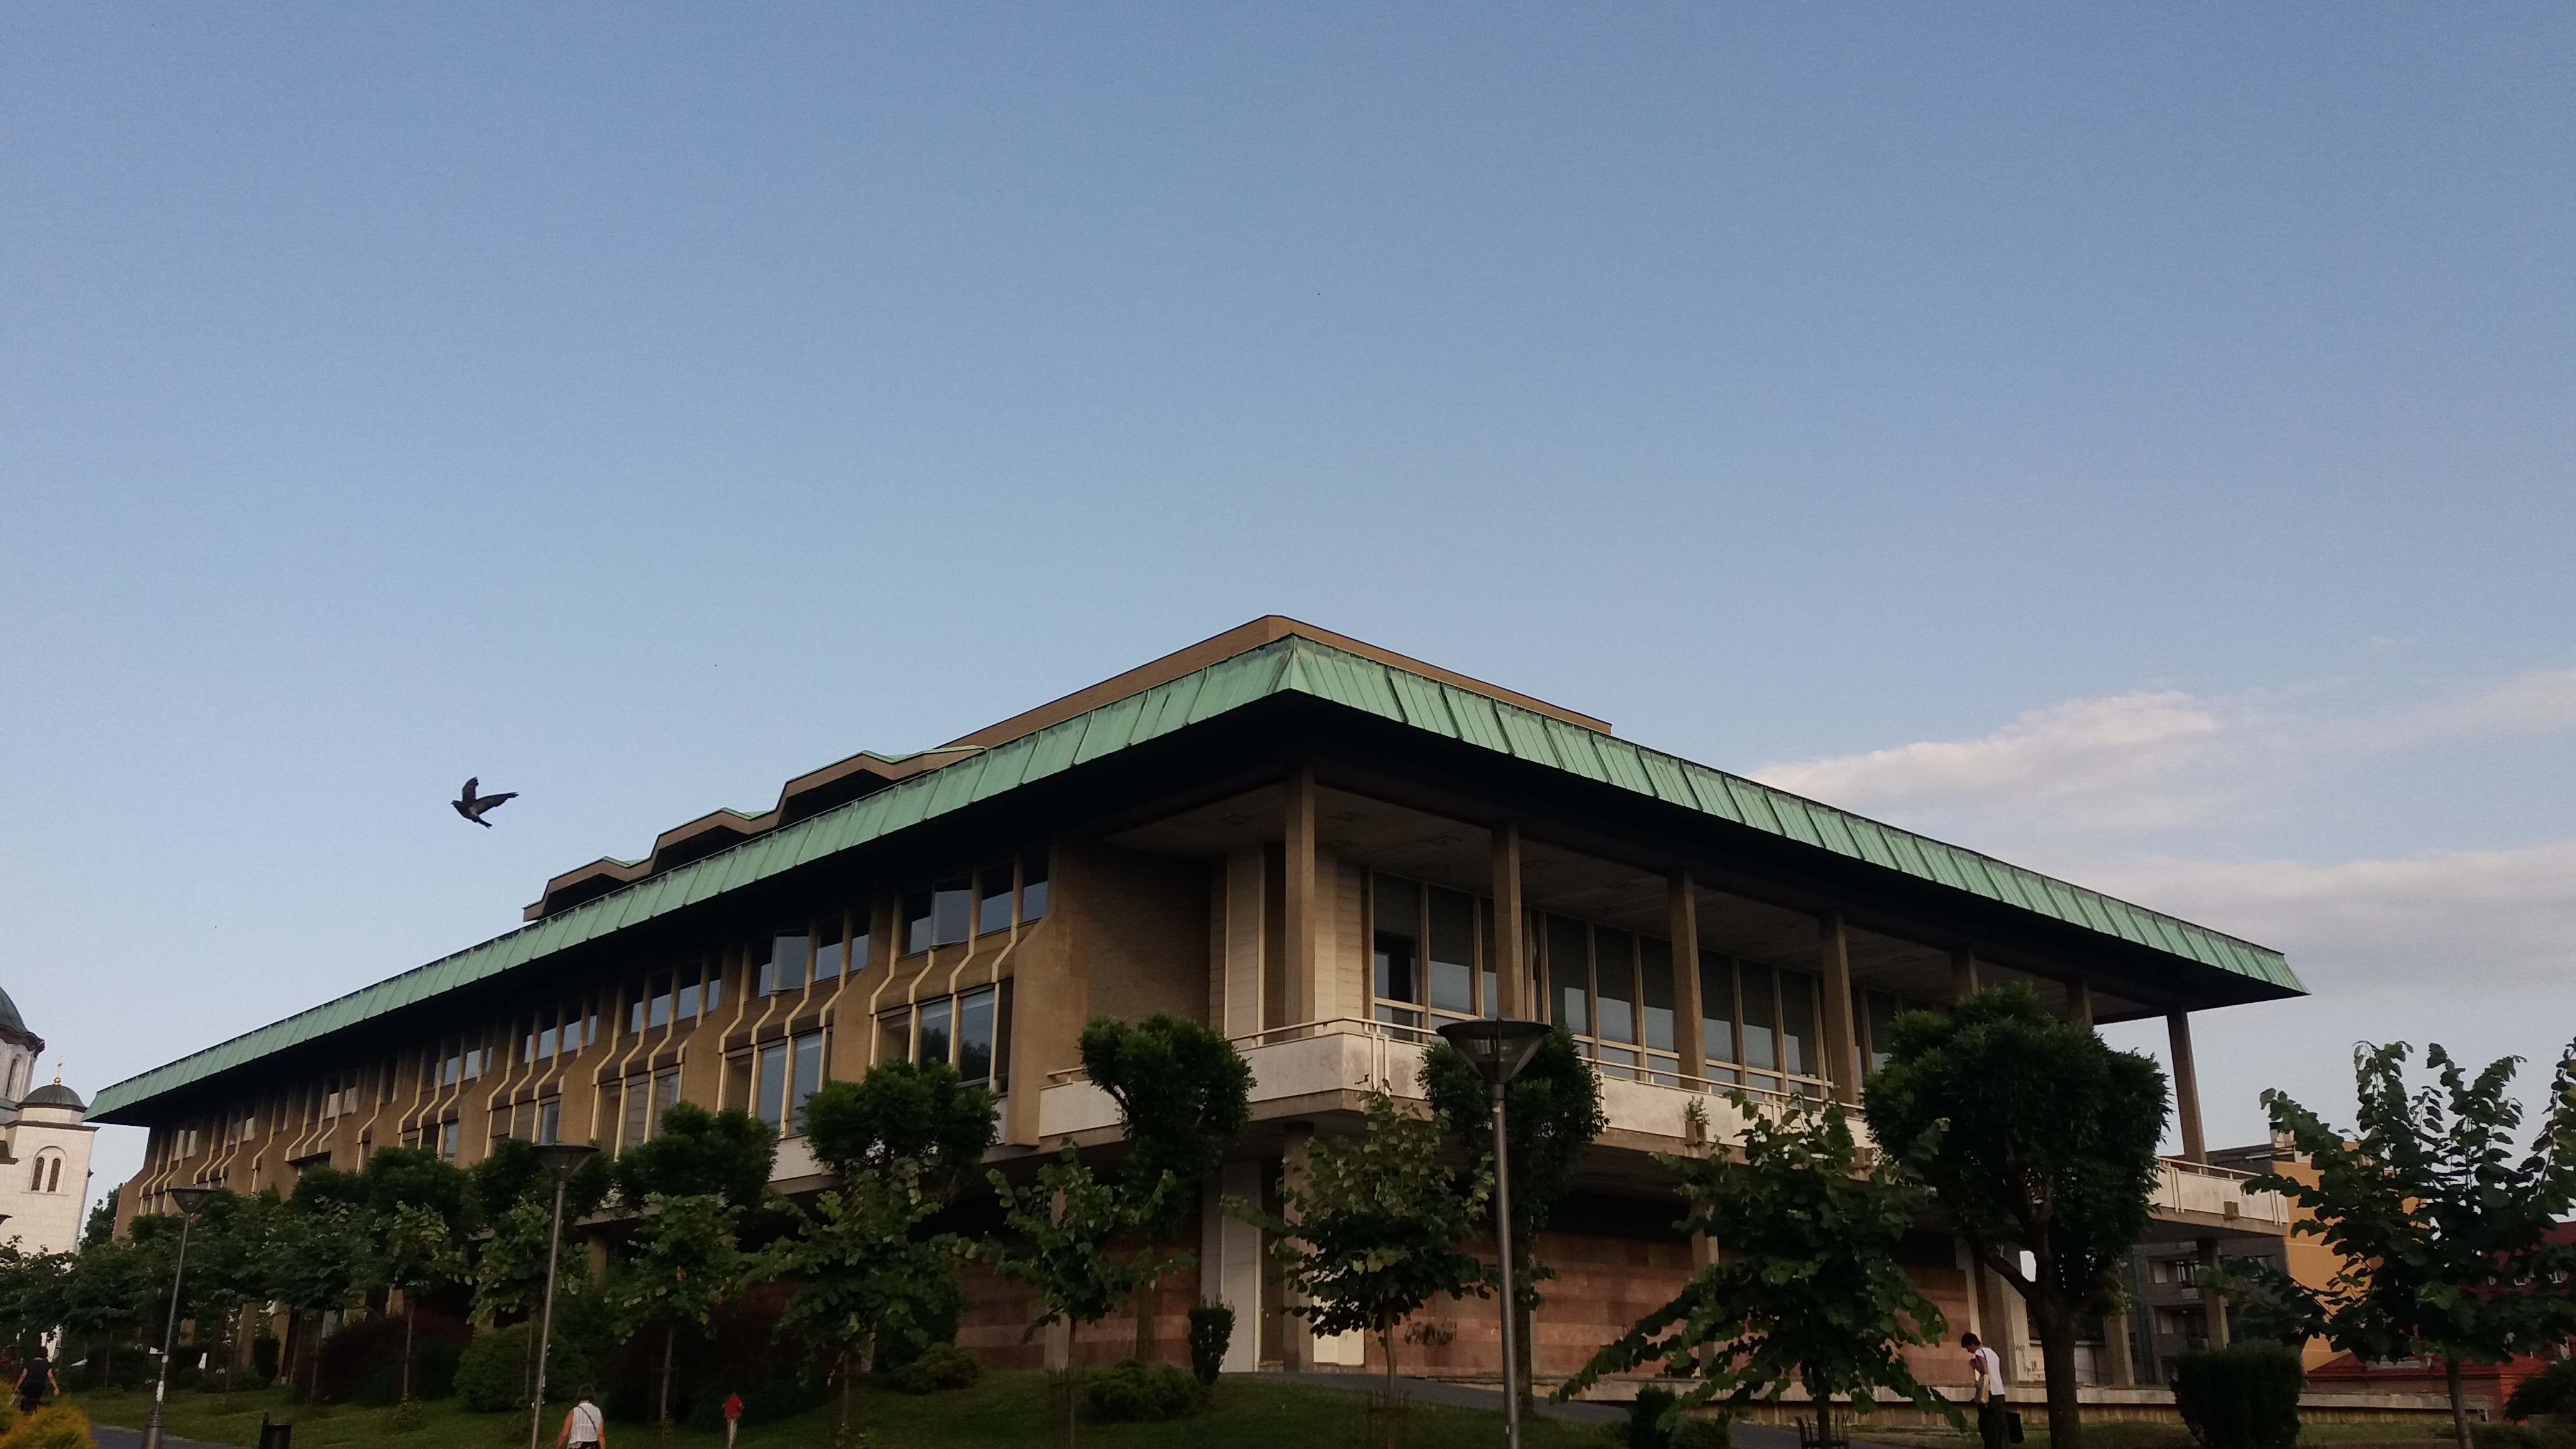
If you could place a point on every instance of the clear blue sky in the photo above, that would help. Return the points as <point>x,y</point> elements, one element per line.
<point>2135,440</point>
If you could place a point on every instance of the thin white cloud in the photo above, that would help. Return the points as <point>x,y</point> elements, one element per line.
<point>2540,702</point>
<point>2447,924</point>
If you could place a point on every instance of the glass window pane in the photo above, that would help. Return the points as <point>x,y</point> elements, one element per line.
<point>787,952</point>
<point>1490,999</point>
<point>1033,885</point>
<point>1452,949</point>
<point>1569,974</point>
<point>1614,973</point>
<point>639,1109</point>
<point>916,923</point>
<point>894,1036</point>
<point>1761,1014</point>
<point>1882,1024</point>
<point>809,1077</point>
<point>688,1007</point>
<point>975,1037</point>
<point>546,1048</point>
<point>764,972</point>
<point>550,1122</point>
<point>858,957</point>
<point>829,950</point>
<point>933,1045</point>
<point>1655,980</point>
<point>951,902</point>
<point>1716,1009</point>
<point>658,1013</point>
<point>1798,1051</point>
<point>715,990</point>
<point>770,1094</point>
<point>993,898</point>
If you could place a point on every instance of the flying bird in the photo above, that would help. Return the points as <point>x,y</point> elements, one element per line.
<point>474,807</point>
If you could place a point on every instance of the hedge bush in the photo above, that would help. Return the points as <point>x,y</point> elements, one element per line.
<point>362,1363</point>
<point>1211,1329</point>
<point>1704,1433</point>
<point>2550,1391</point>
<point>2523,1436</point>
<point>940,1366</point>
<point>55,1426</point>
<point>2241,1397</point>
<point>492,1373</point>
<point>1131,1390</point>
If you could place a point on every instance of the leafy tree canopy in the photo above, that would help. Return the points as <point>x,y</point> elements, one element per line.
<point>1183,1092</point>
<point>862,1275</point>
<point>511,1174</point>
<point>2442,1227</point>
<point>1059,1232</point>
<point>899,1111</point>
<point>698,1153</point>
<point>2036,1137</point>
<point>398,1175</point>
<point>1553,1106</point>
<point>1810,1291</point>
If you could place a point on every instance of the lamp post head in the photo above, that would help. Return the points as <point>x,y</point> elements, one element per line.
<point>1496,1049</point>
<point>563,1159</point>
<point>191,1199</point>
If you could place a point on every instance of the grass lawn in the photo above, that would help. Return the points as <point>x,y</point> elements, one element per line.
<point>1004,1411</point>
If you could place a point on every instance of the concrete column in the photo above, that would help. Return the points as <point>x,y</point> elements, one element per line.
<point>1842,1064</point>
<point>2210,1302</point>
<point>1296,1339</point>
<point>1239,923</point>
<point>1682,909</point>
<point>2122,1369</point>
<point>1963,974</point>
<point>2186,1086</point>
<point>1511,955</point>
<point>1304,907</point>
<point>1231,1266</point>
<point>2079,1001</point>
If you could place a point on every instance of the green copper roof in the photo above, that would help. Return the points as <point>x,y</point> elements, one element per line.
<point>1290,665</point>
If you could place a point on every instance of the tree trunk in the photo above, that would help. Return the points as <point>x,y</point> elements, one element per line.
<point>1386,1335</point>
<point>409,1318</point>
<point>2055,1322</point>
<point>1147,1303</point>
<point>1824,1421</point>
<point>841,1430</point>
<point>2459,1410</point>
<point>670,1341</point>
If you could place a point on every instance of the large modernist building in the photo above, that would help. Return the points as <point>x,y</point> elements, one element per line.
<point>1320,848</point>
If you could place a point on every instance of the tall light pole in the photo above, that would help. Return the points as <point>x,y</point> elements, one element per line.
<point>190,1200</point>
<point>562,1160</point>
<point>1498,1050</point>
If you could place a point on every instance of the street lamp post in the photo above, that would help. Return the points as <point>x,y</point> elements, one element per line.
<point>1498,1050</point>
<point>562,1160</point>
<point>190,1199</point>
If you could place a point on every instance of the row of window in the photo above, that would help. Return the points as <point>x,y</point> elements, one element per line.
<point>1433,960</point>
<point>49,1173</point>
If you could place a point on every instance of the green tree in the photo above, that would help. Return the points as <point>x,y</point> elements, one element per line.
<point>510,1272</point>
<point>685,1262</point>
<point>1184,1095</point>
<point>414,1251</point>
<point>100,1225</point>
<point>697,1153</point>
<point>511,1174</point>
<point>33,1291</point>
<point>318,1261</point>
<point>1810,1292</point>
<point>902,1112</point>
<point>109,1295</point>
<point>1554,1111</point>
<point>2037,1138</point>
<point>1056,1240</point>
<point>394,1176</point>
<point>231,1257</point>
<point>1374,1232</point>
<point>863,1275</point>
<point>2442,1230</point>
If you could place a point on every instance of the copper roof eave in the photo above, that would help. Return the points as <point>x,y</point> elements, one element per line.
<point>607,873</point>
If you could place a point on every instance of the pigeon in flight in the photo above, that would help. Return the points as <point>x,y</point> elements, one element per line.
<point>474,807</point>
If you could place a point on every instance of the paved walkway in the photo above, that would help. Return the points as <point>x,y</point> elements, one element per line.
<point>1467,1396</point>
<point>109,1437</point>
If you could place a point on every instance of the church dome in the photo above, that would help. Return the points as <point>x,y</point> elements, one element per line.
<point>9,1018</point>
<point>55,1094</point>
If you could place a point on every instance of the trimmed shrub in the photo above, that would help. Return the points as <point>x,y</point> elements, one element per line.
<point>2544,1435</point>
<point>940,1366</point>
<point>1132,1390</point>
<point>1211,1329</point>
<point>1645,1426</point>
<point>492,1373</point>
<point>362,1363</point>
<point>2241,1397</point>
<point>55,1426</point>
<point>1714,1432</point>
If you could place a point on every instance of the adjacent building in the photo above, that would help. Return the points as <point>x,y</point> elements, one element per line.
<point>44,1146</point>
<point>1320,848</point>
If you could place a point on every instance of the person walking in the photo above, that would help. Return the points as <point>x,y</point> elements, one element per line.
<point>37,1383</point>
<point>584,1427</point>
<point>1987,1367</point>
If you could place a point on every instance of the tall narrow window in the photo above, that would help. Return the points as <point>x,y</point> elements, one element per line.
<point>1761,1021</point>
<point>550,1121</point>
<point>1717,1018</point>
<point>1033,885</point>
<point>635,1013</point>
<point>1655,995</point>
<point>715,988</point>
<point>764,970</point>
<point>1450,945</point>
<point>975,1027</point>
<point>933,1039</point>
<point>861,929</point>
<point>809,1077</point>
<point>894,1036</point>
<point>666,1090</point>
<point>658,1012</point>
<point>1398,955</point>
<point>917,916</point>
<point>951,905</point>
<point>1614,987</point>
<point>1798,1053</point>
<point>787,956</point>
<point>993,898</point>
<point>54,1181</point>
<point>687,1006</point>
<point>547,1038</point>
<point>831,948</point>
<point>639,1109</point>
<point>1568,975</point>
<point>771,1085</point>
<point>448,1133</point>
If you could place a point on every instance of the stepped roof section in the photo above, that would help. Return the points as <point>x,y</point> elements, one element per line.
<point>1263,660</point>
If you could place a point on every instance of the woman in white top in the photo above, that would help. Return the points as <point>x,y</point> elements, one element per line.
<point>1987,1368</point>
<point>585,1427</point>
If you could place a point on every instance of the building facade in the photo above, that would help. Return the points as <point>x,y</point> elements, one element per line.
<point>1321,849</point>
<point>44,1146</point>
